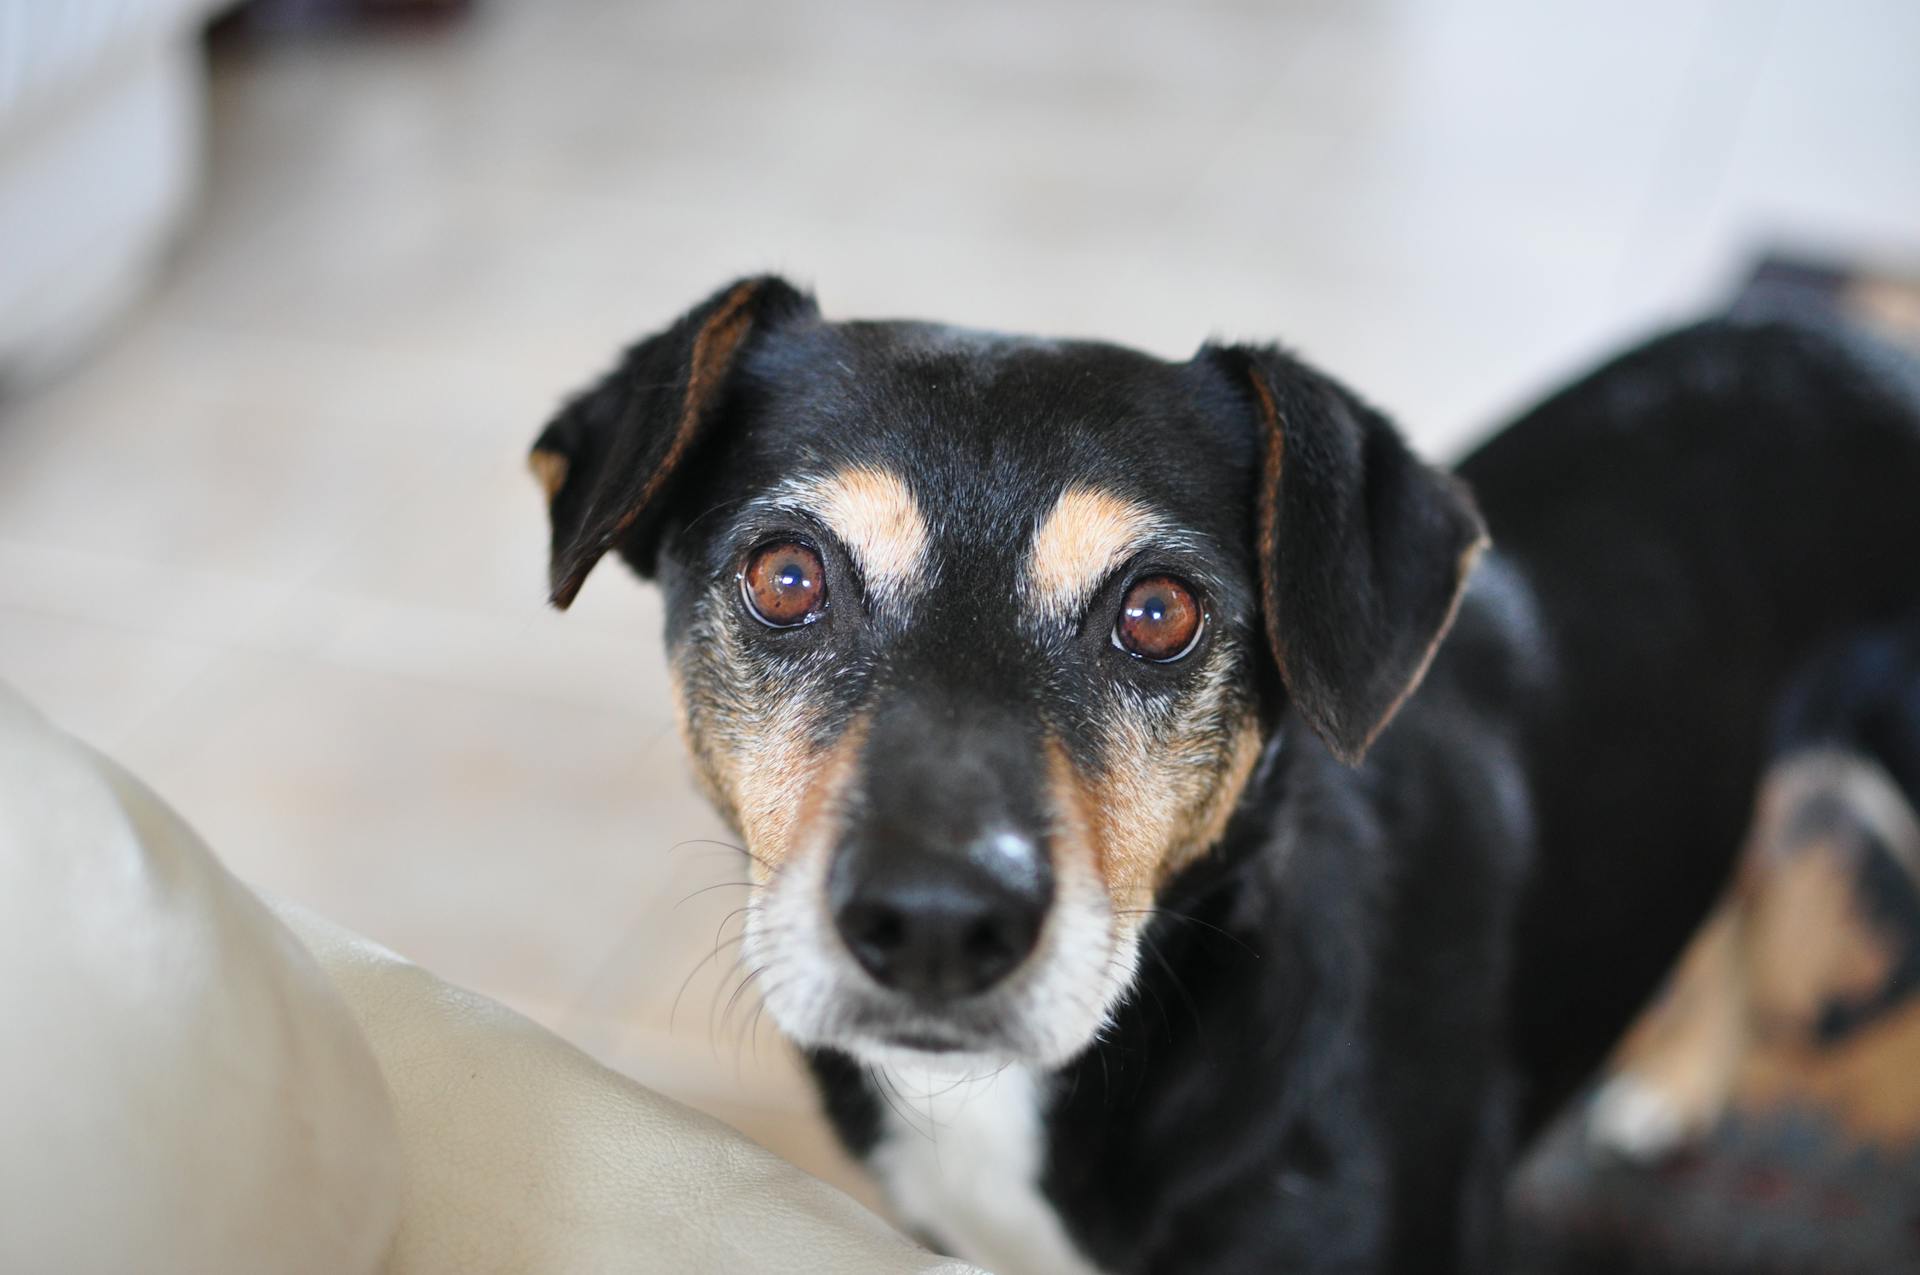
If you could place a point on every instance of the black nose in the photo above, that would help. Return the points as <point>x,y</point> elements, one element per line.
<point>936,926</point>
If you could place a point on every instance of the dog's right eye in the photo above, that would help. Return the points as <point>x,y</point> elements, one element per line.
<point>782,584</point>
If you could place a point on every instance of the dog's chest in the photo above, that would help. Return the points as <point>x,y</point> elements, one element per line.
<point>961,1160</point>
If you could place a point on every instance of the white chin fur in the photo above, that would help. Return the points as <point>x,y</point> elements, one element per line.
<point>1044,1015</point>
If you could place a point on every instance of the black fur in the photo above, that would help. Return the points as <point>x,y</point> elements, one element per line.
<point>617,434</point>
<point>1861,695</point>
<point>1356,1008</point>
<point>1362,548</point>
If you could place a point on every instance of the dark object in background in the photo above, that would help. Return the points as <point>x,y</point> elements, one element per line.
<point>1884,301</point>
<point>279,17</point>
<point>1764,1113</point>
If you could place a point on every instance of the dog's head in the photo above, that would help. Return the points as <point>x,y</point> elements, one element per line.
<point>977,639</point>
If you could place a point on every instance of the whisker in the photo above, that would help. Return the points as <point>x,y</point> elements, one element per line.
<point>742,1038</point>
<point>1172,915</point>
<point>1153,949</point>
<point>734,846</point>
<point>1147,986</point>
<point>714,1020</point>
<point>718,885</point>
<point>884,1087</point>
<point>753,1028</point>
<point>732,1000</point>
<point>718,946</point>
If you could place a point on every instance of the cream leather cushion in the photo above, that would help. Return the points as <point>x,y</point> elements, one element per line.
<point>525,1155</point>
<point>184,1087</point>
<point>181,1088</point>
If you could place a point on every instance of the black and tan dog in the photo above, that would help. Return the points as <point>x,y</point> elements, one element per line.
<point>1151,887</point>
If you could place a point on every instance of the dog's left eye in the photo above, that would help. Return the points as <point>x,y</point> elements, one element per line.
<point>783,584</point>
<point>1160,620</point>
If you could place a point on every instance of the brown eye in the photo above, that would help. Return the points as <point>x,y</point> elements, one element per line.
<point>1159,620</point>
<point>783,584</point>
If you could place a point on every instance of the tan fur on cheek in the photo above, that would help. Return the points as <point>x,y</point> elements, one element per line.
<point>1208,821</point>
<point>1075,819</point>
<point>771,777</point>
<point>759,755</point>
<point>1161,806</point>
<point>1156,806</point>
<point>821,812</point>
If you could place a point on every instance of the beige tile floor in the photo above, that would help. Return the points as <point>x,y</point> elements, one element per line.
<point>275,548</point>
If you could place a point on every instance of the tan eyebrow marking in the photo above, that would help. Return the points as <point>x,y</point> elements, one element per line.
<point>875,516</point>
<point>1078,544</point>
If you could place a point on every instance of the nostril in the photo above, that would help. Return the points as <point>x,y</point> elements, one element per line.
<point>990,944</point>
<point>987,945</point>
<point>875,932</point>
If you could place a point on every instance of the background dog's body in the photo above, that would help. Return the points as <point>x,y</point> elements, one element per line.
<point>1694,521</point>
<point>1378,980</point>
<point>1763,1113</point>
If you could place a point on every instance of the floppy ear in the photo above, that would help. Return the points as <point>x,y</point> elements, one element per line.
<point>1363,550</point>
<point>608,461</point>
